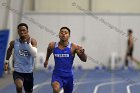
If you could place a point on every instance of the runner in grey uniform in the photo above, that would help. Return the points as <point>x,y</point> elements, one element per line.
<point>25,50</point>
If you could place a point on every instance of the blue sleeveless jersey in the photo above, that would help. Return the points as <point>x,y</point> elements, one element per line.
<point>23,61</point>
<point>63,61</point>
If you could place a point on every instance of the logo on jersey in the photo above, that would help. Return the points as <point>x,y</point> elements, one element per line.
<point>61,55</point>
<point>23,53</point>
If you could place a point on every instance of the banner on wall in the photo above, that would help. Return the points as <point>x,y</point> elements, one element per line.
<point>4,35</point>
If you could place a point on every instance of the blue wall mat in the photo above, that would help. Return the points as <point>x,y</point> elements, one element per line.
<point>4,35</point>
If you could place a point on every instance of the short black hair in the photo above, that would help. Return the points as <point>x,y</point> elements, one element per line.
<point>65,28</point>
<point>22,24</point>
<point>130,31</point>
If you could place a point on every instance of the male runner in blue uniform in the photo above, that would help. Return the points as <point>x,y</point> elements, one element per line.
<point>64,53</point>
<point>25,49</point>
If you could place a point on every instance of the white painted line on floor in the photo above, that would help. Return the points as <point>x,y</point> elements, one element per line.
<point>131,85</point>
<point>40,85</point>
<point>104,84</point>
<point>80,79</point>
<point>43,84</point>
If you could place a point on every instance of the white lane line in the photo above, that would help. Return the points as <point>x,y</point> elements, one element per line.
<point>89,81</point>
<point>103,84</point>
<point>43,84</point>
<point>80,79</point>
<point>131,85</point>
<point>40,85</point>
<point>80,83</point>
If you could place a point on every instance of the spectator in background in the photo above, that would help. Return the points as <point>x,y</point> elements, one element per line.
<point>130,48</point>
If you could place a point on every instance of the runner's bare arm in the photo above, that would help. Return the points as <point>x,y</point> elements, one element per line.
<point>49,52</point>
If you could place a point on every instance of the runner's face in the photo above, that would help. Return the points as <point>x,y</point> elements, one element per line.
<point>23,32</point>
<point>64,35</point>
